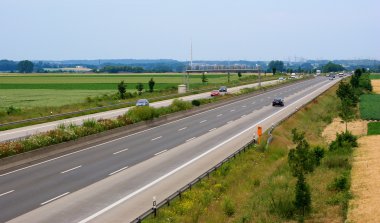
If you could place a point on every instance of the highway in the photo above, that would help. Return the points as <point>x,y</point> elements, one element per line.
<point>91,184</point>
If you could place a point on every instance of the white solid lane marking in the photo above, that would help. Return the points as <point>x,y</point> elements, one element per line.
<point>71,169</point>
<point>211,130</point>
<point>244,106</point>
<point>190,139</point>
<point>120,151</point>
<point>229,122</point>
<point>243,116</point>
<point>57,197</point>
<point>182,129</point>
<point>203,121</point>
<point>232,110</point>
<point>160,152</point>
<point>7,193</point>
<point>157,138</point>
<point>219,115</point>
<point>118,170</point>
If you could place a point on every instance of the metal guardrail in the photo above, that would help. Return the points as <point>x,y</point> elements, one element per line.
<point>188,186</point>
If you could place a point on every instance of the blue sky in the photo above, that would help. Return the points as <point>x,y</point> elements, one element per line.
<point>218,29</point>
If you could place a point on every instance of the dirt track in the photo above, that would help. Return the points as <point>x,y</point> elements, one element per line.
<point>358,128</point>
<point>365,182</point>
<point>376,86</point>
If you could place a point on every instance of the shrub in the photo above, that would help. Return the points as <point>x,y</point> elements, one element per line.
<point>319,153</point>
<point>12,110</point>
<point>228,207</point>
<point>339,184</point>
<point>90,123</point>
<point>141,113</point>
<point>180,105</point>
<point>195,103</point>
<point>344,141</point>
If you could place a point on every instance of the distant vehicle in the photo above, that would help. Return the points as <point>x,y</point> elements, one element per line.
<point>215,93</point>
<point>223,89</point>
<point>281,79</point>
<point>331,78</point>
<point>278,102</point>
<point>318,72</point>
<point>293,75</point>
<point>142,102</point>
<point>341,74</point>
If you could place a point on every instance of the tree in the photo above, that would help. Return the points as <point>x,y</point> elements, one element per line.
<point>151,84</point>
<point>25,66</point>
<point>122,89</point>
<point>140,88</point>
<point>204,78</point>
<point>301,161</point>
<point>346,92</point>
<point>274,70</point>
<point>347,112</point>
<point>239,75</point>
<point>303,197</point>
<point>279,65</point>
<point>332,67</point>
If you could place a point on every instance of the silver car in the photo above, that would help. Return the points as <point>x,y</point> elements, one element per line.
<point>142,102</point>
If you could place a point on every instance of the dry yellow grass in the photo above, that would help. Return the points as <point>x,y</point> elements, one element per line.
<point>376,86</point>
<point>358,128</point>
<point>365,186</point>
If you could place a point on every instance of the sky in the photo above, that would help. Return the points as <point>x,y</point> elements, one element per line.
<point>166,29</point>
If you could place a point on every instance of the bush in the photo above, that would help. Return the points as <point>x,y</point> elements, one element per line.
<point>12,110</point>
<point>228,207</point>
<point>319,153</point>
<point>339,184</point>
<point>141,113</point>
<point>195,103</point>
<point>344,141</point>
<point>337,161</point>
<point>180,105</point>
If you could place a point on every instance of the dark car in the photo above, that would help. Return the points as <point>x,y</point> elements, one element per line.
<point>278,102</point>
<point>223,89</point>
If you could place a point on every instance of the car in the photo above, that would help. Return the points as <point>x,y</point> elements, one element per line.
<point>215,93</point>
<point>142,102</point>
<point>331,78</point>
<point>223,89</point>
<point>278,102</point>
<point>281,79</point>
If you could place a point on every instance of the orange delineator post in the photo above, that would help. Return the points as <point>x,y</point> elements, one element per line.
<point>259,133</point>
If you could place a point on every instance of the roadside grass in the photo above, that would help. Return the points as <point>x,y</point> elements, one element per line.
<point>369,107</point>
<point>258,186</point>
<point>373,128</point>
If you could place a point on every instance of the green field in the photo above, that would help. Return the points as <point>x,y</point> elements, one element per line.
<point>374,76</point>
<point>373,128</point>
<point>370,107</point>
<point>35,90</point>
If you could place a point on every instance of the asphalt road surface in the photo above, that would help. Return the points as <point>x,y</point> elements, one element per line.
<point>94,183</point>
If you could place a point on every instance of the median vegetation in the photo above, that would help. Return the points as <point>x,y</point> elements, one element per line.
<point>310,183</point>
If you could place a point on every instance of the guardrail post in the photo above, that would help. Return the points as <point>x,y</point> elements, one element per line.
<point>154,206</point>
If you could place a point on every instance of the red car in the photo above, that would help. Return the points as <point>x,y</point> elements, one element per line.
<point>215,93</point>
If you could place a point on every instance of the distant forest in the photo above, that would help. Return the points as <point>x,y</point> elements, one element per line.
<point>167,65</point>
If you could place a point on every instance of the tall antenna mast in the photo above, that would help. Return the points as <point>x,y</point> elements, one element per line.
<point>191,54</point>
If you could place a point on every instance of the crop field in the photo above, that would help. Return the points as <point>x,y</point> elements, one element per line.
<point>34,90</point>
<point>374,128</point>
<point>369,107</point>
<point>374,76</point>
